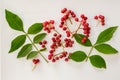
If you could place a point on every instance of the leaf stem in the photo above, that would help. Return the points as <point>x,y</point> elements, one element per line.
<point>90,52</point>
<point>36,47</point>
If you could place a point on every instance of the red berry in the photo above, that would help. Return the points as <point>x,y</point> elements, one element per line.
<point>83,41</point>
<point>95,17</point>
<point>60,25</point>
<point>43,46</point>
<point>64,28</point>
<point>101,17</point>
<point>45,23</point>
<point>40,43</point>
<point>66,59</point>
<point>82,16</point>
<point>61,56</point>
<point>63,10</point>
<point>44,42</point>
<point>53,60</point>
<point>76,19</point>
<point>52,21</point>
<point>56,58</point>
<point>55,34</point>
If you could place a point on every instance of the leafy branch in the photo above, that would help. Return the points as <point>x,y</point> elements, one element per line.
<point>100,45</point>
<point>16,23</point>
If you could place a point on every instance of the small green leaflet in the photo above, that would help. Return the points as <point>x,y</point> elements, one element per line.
<point>106,35</point>
<point>78,38</point>
<point>106,49</point>
<point>43,49</point>
<point>25,50</point>
<point>17,43</point>
<point>97,61</point>
<point>35,28</point>
<point>32,54</point>
<point>39,37</point>
<point>14,21</point>
<point>78,56</point>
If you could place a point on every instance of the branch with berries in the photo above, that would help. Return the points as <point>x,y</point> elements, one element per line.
<point>80,35</point>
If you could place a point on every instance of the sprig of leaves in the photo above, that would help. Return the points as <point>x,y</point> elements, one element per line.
<point>16,23</point>
<point>100,45</point>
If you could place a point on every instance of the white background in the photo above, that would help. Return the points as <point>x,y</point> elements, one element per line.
<point>32,11</point>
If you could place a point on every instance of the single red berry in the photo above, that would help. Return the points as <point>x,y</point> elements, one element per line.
<point>52,21</point>
<point>103,23</point>
<point>61,56</point>
<point>43,46</point>
<point>40,43</point>
<point>76,19</point>
<point>83,41</point>
<point>63,10</point>
<point>62,19</point>
<point>59,35</point>
<point>44,42</point>
<point>82,16</point>
<point>101,17</point>
<point>55,34</point>
<point>45,23</point>
<point>66,59</point>
<point>96,17</point>
<point>53,60</point>
<point>56,58</point>
<point>64,28</point>
<point>60,25</point>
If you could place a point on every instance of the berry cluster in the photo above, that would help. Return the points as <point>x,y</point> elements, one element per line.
<point>68,14</point>
<point>36,61</point>
<point>59,56</point>
<point>86,28</point>
<point>101,18</point>
<point>68,42</point>
<point>48,26</point>
<point>43,43</point>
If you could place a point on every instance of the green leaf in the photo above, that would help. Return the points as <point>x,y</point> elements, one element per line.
<point>97,61</point>
<point>78,56</point>
<point>39,37</point>
<point>14,21</point>
<point>106,49</point>
<point>25,50</point>
<point>43,49</point>
<point>17,43</point>
<point>35,28</point>
<point>106,35</point>
<point>78,38</point>
<point>32,54</point>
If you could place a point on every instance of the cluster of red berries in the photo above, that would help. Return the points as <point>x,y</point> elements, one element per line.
<point>48,26</point>
<point>68,42</point>
<point>36,61</point>
<point>43,43</point>
<point>67,15</point>
<point>101,18</point>
<point>56,42</point>
<point>54,58</point>
<point>86,28</point>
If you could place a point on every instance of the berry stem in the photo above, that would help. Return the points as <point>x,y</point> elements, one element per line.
<point>97,23</point>
<point>90,53</point>
<point>70,20</point>
<point>35,47</point>
<point>68,27</point>
<point>56,31</point>
<point>34,67</point>
<point>77,29</point>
